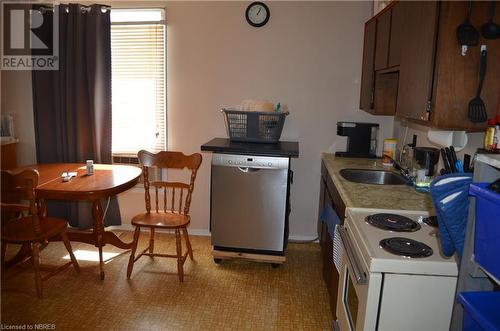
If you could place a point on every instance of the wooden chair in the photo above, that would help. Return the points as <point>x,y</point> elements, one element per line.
<point>31,230</point>
<point>175,212</point>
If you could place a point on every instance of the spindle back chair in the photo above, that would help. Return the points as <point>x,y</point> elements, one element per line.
<point>24,224</point>
<point>170,208</point>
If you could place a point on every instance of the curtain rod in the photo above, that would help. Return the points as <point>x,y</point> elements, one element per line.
<point>45,8</point>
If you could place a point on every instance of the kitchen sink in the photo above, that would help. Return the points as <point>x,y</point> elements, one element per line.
<point>378,177</point>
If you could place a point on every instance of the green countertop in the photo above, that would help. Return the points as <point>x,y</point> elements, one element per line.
<point>396,197</point>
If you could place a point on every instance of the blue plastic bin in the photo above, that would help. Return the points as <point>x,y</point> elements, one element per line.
<point>487,236</point>
<point>481,311</point>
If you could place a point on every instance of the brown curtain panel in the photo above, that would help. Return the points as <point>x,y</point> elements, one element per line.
<point>72,106</point>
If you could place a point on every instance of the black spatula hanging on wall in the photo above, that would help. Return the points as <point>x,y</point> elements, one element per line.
<point>491,30</point>
<point>477,108</point>
<point>466,33</point>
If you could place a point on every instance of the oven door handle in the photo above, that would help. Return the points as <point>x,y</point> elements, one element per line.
<point>353,261</point>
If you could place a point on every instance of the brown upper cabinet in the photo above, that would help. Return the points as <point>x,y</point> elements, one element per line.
<point>367,75</point>
<point>379,81</point>
<point>417,58</point>
<point>382,40</point>
<point>425,78</point>
<point>397,24</point>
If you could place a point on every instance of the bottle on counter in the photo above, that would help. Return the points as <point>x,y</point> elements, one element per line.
<point>496,137</point>
<point>90,167</point>
<point>389,150</point>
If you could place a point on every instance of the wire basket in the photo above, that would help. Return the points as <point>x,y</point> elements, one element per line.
<point>256,127</point>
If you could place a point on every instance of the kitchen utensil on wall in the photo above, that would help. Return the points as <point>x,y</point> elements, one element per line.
<point>466,33</point>
<point>491,30</point>
<point>477,109</point>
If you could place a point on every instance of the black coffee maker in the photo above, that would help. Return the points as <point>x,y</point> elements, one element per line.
<point>361,139</point>
<point>426,158</point>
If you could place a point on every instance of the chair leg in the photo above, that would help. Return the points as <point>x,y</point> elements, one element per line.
<point>132,253</point>
<point>67,244</point>
<point>35,254</point>
<point>152,241</point>
<point>180,270</point>
<point>188,244</point>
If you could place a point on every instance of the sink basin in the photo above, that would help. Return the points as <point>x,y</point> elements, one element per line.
<point>378,177</point>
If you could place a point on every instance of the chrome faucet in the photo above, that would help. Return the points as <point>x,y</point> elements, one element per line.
<point>402,170</point>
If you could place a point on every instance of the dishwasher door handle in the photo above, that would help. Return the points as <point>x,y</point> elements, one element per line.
<point>248,170</point>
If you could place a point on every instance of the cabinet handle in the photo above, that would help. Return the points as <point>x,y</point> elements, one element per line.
<point>372,96</point>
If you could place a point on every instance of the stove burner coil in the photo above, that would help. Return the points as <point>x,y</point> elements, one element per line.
<point>406,247</point>
<point>392,222</point>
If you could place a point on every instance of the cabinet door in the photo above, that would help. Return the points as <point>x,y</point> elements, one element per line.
<point>382,40</point>
<point>366,98</point>
<point>397,25</point>
<point>417,58</point>
<point>456,78</point>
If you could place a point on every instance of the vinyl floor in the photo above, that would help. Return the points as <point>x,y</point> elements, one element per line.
<point>234,295</point>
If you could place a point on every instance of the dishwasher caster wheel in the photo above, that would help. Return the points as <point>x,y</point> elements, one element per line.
<point>217,261</point>
<point>275,265</point>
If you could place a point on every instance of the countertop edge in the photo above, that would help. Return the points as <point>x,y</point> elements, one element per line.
<point>223,145</point>
<point>388,197</point>
<point>490,159</point>
<point>336,180</point>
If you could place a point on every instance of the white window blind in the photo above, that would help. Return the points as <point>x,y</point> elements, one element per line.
<point>138,85</point>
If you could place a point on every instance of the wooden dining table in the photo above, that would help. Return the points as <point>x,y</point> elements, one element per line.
<point>107,181</point>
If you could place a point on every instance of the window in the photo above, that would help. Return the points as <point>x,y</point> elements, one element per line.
<point>138,80</point>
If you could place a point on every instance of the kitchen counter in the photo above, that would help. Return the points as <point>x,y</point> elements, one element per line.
<point>224,145</point>
<point>491,159</point>
<point>397,197</point>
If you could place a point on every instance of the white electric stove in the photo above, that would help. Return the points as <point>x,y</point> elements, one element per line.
<point>394,276</point>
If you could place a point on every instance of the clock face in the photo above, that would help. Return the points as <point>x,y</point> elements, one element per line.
<point>257,14</point>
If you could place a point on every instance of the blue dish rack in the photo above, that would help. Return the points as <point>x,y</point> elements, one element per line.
<point>487,236</point>
<point>482,309</point>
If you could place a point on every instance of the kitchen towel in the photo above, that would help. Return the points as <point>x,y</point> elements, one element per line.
<point>450,195</point>
<point>331,219</point>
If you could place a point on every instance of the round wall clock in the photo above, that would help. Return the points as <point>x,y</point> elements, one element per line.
<point>257,14</point>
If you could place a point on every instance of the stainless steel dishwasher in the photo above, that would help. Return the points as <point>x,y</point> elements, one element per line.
<point>249,203</point>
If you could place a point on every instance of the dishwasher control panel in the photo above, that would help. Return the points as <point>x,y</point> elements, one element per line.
<point>250,161</point>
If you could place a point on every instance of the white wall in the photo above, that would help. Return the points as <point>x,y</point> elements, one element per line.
<point>308,57</point>
<point>16,99</point>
